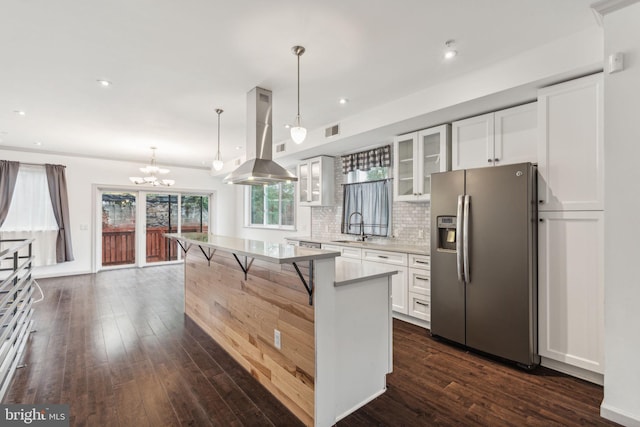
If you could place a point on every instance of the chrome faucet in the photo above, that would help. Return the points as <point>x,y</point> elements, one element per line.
<point>363,237</point>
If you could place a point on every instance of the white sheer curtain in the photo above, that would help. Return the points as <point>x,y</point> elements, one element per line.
<point>31,214</point>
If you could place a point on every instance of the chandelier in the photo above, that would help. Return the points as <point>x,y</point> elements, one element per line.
<point>152,171</point>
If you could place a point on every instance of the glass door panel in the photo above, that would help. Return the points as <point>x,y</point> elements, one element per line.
<point>315,181</point>
<point>194,211</point>
<point>303,180</point>
<point>430,159</point>
<point>162,217</point>
<point>405,167</point>
<point>118,228</point>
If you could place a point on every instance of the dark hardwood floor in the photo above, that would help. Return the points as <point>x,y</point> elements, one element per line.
<point>117,347</point>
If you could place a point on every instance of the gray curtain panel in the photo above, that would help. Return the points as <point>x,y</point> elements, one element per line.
<point>373,201</point>
<point>8,177</point>
<point>57,182</point>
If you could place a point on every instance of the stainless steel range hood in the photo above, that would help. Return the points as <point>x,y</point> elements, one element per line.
<point>259,169</point>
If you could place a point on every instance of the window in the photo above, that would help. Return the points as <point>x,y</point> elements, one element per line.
<point>271,206</point>
<point>31,214</point>
<point>372,174</point>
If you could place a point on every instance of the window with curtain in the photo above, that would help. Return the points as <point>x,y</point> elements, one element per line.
<point>367,209</point>
<point>271,206</point>
<point>31,215</point>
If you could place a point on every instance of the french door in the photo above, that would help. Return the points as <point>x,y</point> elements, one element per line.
<point>133,224</point>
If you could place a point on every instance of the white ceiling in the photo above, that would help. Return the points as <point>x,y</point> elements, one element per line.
<point>172,62</point>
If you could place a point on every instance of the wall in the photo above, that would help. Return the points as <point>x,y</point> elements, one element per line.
<point>622,204</point>
<point>407,218</point>
<point>82,173</point>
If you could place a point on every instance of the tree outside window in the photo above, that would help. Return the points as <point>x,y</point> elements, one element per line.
<point>272,206</point>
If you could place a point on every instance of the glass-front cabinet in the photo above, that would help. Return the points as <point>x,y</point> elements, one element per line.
<point>415,157</point>
<point>315,181</point>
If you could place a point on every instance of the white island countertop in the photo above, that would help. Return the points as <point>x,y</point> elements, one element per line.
<point>267,251</point>
<point>350,272</point>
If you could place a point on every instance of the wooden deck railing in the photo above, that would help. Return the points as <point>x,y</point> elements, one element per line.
<point>119,245</point>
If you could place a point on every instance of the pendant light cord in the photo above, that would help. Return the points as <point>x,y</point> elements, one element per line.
<point>298,89</point>
<point>219,111</point>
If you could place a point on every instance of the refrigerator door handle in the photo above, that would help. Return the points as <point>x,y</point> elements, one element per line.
<point>459,220</point>
<point>465,238</point>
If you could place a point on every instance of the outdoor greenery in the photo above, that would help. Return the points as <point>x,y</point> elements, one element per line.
<point>272,205</point>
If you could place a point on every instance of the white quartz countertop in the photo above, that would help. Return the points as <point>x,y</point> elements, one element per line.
<point>259,249</point>
<point>351,272</point>
<point>377,245</point>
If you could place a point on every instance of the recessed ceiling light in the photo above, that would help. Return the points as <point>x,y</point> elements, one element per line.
<point>38,143</point>
<point>104,83</point>
<point>343,101</point>
<point>238,147</point>
<point>287,126</point>
<point>449,51</point>
<point>19,112</point>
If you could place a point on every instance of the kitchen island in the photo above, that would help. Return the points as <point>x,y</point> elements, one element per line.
<point>313,330</point>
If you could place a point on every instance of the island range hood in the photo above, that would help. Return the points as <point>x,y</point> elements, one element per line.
<point>259,169</point>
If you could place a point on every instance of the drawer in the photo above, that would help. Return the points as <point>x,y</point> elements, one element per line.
<point>349,252</point>
<point>395,258</point>
<point>420,261</point>
<point>332,248</point>
<point>419,281</point>
<point>420,306</point>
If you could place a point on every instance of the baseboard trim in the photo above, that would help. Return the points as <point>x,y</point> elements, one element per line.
<point>619,416</point>
<point>412,320</point>
<point>574,371</point>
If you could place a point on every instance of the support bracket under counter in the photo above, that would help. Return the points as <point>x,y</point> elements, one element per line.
<point>308,287</point>
<point>245,268</point>
<point>270,252</point>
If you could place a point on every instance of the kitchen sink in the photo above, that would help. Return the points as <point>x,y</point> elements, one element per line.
<point>347,241</point>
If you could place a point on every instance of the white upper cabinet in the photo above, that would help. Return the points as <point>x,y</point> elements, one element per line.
<point>472,145</point>
<point>499,138</point>
<point>415,157</point>
<point>570,149</point>
<point>315,182</point>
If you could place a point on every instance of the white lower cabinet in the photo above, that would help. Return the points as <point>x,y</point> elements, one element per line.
<point>571,288</point>
<point>399,289</point>
<point>420,286</point>
<point>419,306</point>
<point>410,288</point>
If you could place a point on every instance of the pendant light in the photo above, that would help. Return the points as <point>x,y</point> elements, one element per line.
<point>298,133</point>
<point>217,163</point>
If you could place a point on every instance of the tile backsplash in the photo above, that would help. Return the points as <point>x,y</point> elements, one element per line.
<point>409,220</point>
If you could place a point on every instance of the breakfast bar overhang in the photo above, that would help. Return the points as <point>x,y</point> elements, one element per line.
<point>314,330</point>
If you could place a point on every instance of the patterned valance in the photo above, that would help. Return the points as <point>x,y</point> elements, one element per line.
<point>365,160</point>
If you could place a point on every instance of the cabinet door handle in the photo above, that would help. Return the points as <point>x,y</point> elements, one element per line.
<point>419,261</point>
<point>540,201</point>
<point>496,160</point>
<point>426,279</point>
<point>541,220</point>
<point>383,256</point>
<point>489,160</point>
<point>422,303</point>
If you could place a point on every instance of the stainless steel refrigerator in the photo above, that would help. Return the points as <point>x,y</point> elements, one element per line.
<point>483,260</point>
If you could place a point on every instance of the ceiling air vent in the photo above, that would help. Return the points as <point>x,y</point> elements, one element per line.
<point>332,130</point>
<point>281,147</point>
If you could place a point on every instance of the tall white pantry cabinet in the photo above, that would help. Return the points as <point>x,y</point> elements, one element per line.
<point>571,227</point>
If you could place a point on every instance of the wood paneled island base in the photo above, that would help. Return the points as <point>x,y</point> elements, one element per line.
<point>333,355</point>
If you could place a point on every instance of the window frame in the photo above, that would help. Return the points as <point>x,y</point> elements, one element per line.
<point>248,209</point>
